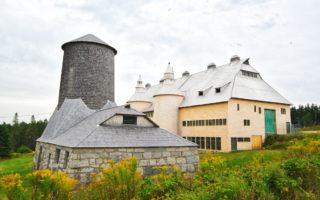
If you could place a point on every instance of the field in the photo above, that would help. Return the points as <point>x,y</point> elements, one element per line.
<point>288,168</point>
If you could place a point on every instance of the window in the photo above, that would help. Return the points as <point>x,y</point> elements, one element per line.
<point>149,114</point>
<point>127,119</point>
<point>66,159</point>
<point>218,122</point>
<point>246,122</point>
<point>218,90</point>
<point>209,143</point>
<point>288,126</point>
<point>243,139</point>
<point>207,122</point>
<point>255,108</point>
<point>283,111</point>
<point>250,74</point>
<point>238,107</point>
<point>200,93</point>
<point>184,123</point>
<point>49,157</point>
<point>188,123</point>
<point>202,142</point>
<point>224,122</point>
<point>57,155</point>
<point>259,110</point>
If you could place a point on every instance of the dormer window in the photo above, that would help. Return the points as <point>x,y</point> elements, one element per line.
<point>200,93</point>
<point>218,90</point>
<point>250,74</point>
<point>129,119</point>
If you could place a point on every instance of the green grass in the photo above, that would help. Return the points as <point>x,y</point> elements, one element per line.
<point>241,158</point>
<point>21,164</point>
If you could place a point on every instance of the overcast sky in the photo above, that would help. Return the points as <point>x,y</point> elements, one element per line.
<point>281,37</point>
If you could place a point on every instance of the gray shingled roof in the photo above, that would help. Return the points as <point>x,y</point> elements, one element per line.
<point>74,125</point>
<point>91,39</point>
<point>228,77</point>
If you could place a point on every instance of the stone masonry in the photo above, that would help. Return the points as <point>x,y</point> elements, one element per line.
<point>84,161</point>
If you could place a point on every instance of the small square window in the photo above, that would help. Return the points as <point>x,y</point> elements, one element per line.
<point>200,93</point>
<point>218,90</point>
<point>246,139</point>
<point>127,119</point>
<point>240,139</point>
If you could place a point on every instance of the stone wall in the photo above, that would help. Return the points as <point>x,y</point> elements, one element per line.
<point>82,162</point>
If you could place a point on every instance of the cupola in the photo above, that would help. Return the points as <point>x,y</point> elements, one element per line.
<point>168,76</point>
<point>211,66</point>
<point>139,86</point>
<point>234,58</point>
<point>185,74</point>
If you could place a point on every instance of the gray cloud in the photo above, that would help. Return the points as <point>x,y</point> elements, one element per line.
<point>280,37</point>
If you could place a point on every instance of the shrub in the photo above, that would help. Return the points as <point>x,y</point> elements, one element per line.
<point>12,186</point>
<point>166,183</point>
<point>46,184</point>
<point>24,149</point>
<point>119,181</point>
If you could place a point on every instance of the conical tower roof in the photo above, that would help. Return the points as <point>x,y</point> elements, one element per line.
<point>90,38</point>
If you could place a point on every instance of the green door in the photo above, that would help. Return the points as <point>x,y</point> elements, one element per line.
<point>270,121</point>
<point>234,144</point>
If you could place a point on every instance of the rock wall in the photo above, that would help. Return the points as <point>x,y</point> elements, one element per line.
<point>82,162</point>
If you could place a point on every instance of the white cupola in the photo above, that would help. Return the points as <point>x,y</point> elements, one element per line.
<point>139,86</point>
<point>168,76</point>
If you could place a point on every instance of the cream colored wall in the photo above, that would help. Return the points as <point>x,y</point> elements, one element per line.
<point>166,111</point>
<point>212,111</point>
<point>236,126</point>
<point>139,105</point>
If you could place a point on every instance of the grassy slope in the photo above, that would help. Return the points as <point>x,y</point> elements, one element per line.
<point>21,164</point>
<point>240,158</point>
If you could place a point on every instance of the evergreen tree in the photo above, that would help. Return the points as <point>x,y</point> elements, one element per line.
<point>15,119</point>
<point>4,141</point>
<point>33,119</point>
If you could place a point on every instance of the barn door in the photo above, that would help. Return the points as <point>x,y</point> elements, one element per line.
<point>270,121</point>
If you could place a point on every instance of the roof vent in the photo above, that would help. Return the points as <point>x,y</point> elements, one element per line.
<point>211,66</point>
<point>234,58</point>
<point>127,106</point>
<point>148,85</point>
<point>185,73</point>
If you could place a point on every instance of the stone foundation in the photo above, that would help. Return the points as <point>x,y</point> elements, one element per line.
<point>81,162</point>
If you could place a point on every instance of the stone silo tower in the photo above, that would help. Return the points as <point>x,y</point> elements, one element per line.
<point>87,71</point>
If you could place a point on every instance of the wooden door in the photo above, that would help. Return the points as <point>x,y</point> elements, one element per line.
<point>256,141</point>
<point>270,121</point>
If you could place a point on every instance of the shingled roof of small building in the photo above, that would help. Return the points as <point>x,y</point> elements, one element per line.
<point>75,125</point>
<point>90,38</point>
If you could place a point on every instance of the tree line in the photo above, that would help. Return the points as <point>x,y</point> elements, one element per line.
<point>20,134</point>
<point>306,115</point>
